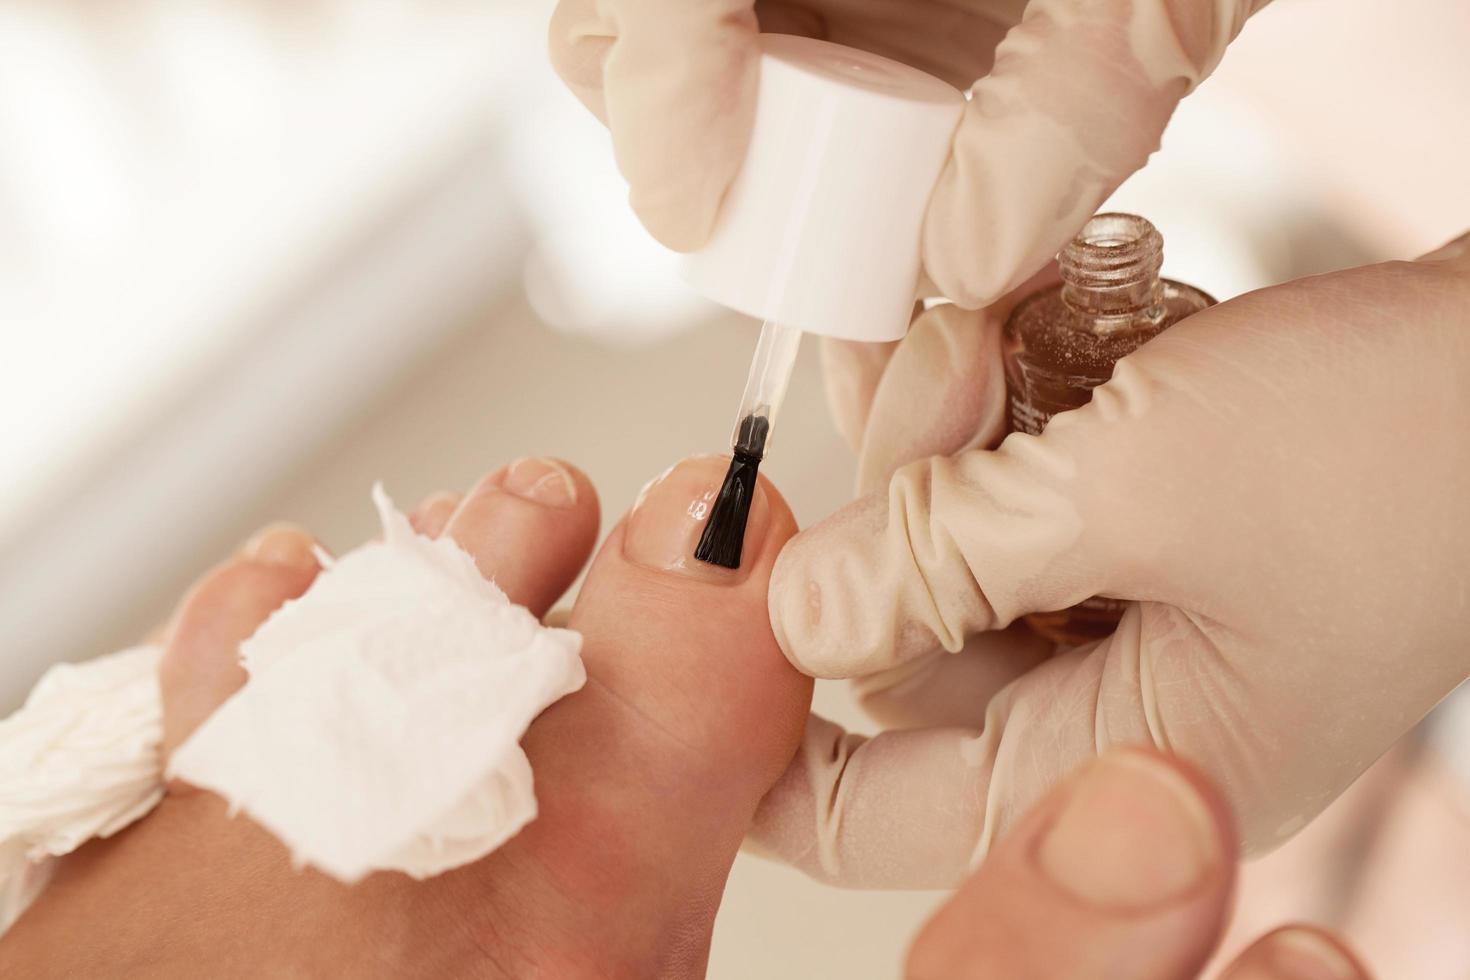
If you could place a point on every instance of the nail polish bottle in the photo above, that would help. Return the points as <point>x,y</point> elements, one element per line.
<point>1063,341</point>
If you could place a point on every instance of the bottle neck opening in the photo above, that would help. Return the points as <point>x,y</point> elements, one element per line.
<point>1111,269</point>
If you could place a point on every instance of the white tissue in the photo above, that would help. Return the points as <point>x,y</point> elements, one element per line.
<point>79,760</point>
<point>379,727</point>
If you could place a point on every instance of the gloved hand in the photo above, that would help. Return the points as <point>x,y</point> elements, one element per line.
<point>1067,106</point>
<point>1280,481</point>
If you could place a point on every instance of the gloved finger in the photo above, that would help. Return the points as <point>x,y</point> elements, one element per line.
<point>1123,870</point>
<point>678,82</point>
<point>939,391</point>
<point>851,370</point>
<point>580,35</point>
<point>1292,952</point>
<point>578,40</point>
<point>903,809</point>
<point>943,689</point>
<point>943,390</point>
<point>1077,100</point>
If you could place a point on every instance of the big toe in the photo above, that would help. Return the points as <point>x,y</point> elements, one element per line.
<point>688,645</point>
<point>689,715</point>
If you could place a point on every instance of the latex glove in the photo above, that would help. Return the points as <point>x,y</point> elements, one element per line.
<point>1280,481</point>
<point>1072,101</point>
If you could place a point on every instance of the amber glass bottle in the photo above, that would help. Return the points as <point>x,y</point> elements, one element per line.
<point>1062,342</point>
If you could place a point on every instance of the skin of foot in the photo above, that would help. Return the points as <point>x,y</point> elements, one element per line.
<point>646,779</point>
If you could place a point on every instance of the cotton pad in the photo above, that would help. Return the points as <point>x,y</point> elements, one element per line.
<point>379,727</point>
<point>79,760</point>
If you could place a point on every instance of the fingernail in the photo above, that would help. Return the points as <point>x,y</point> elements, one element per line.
<point>285,545</point>
<point>666,523</point>
<point>543,481</point>
<point>1304,954</point>
<point>1133,833</point>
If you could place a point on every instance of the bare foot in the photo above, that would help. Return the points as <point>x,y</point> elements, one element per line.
<point>647,778</point>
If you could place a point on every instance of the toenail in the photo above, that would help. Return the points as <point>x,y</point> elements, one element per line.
<point>666,523</point>
<point>543,481</point>
<point>285,545</point>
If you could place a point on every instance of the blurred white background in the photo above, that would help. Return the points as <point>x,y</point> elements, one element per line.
<point>254,256</point>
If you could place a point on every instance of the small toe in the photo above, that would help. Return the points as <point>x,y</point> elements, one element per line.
<point>530,527</point>
<point>201,660</point>
<point>432,515</point>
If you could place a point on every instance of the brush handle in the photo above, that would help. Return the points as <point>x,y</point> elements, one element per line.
<point>765,387</point>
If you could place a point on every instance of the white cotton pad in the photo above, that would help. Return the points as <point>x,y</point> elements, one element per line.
<point>380,726</point>
<point>79,760</point>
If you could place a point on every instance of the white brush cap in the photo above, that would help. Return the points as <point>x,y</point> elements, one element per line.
<point>820,230</point>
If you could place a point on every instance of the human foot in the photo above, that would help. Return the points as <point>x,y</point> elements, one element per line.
<point>646,779</point>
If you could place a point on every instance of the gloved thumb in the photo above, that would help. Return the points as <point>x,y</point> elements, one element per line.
<point>1078,99</point>
<point>675,82</point>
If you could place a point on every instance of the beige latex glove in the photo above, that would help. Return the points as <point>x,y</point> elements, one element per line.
<point>1071,102</point>
<point>1281,481</point>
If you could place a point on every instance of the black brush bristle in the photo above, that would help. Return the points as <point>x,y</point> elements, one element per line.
<point>724,532</point>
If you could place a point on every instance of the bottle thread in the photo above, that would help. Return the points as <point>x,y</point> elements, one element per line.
<point>1110,271</point>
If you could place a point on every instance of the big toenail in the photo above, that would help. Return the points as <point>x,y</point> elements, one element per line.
<point>665,526</point>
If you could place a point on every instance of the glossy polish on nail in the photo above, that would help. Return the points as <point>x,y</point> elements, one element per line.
<point>664,530</point>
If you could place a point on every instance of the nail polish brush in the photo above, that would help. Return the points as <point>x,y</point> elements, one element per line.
<point>765,387</point>
<point>819,232</point>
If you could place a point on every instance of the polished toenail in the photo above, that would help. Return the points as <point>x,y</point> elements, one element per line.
<point>542,481</point>
<point>284,545</point>
<point>666,523</point>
